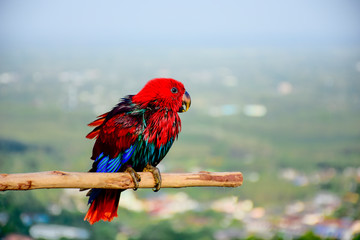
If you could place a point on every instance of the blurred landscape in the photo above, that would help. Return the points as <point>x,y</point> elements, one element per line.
<point>284,112</point>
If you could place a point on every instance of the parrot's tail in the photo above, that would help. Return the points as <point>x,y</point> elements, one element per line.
<point>104,205</point>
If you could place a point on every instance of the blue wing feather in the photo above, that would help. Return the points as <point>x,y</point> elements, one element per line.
<point>106,164</point>
<point>127,154</point>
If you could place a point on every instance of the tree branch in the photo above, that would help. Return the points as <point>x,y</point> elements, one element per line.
<point>59,179</point>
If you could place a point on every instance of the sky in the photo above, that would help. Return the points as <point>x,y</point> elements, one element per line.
<point>161,22</point>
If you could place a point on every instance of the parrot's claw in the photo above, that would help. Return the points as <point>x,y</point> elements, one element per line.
<point>156,174</point>
<point>135,177</point>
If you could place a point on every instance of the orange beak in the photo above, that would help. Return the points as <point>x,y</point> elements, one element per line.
<point>186,102</point>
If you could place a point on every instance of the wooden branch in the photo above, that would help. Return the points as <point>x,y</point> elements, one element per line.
<point>58,179</point>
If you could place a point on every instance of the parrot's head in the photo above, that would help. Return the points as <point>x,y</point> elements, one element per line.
<point>164,93</point>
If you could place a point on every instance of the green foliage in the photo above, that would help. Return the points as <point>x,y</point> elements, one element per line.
<point>277,236</point>
<point>253,238</point>
<point>356,237</point>
<point>164,230</point>
<point>309,236</point>
<point>15,204</point>
<point>103,231</point>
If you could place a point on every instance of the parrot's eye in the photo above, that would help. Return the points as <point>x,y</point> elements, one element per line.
<point>174,90</point>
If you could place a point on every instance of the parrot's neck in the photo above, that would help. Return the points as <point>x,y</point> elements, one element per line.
<point>162,126</point>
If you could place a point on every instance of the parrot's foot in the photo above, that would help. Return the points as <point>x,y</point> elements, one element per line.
<point>156,174</point>
<point>135,177</point>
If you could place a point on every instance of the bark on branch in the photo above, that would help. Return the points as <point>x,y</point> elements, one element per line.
<point>59,179</point>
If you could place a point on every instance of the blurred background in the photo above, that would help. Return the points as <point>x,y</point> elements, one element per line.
<point>275,89</point>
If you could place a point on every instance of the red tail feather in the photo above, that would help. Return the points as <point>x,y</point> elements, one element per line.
<point>104,207</point>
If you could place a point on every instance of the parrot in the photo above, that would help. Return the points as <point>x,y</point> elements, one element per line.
<point>134,137</point>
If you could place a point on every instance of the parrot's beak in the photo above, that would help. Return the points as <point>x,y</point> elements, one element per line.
<point>186,102</point>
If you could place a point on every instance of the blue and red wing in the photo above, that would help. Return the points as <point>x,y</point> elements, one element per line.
<point>116,133</point>
<point>104,202</point>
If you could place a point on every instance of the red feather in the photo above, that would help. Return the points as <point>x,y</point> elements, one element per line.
<point>99,121</point>
<point>158,123</point>
<point>104,207</point>
<point>116,135</point>
<point>93,134</point>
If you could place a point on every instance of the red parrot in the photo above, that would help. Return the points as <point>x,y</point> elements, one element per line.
<point>135,136</point>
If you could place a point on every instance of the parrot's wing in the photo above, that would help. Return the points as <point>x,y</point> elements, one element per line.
<point>117,140</point>
<point>116,133</point>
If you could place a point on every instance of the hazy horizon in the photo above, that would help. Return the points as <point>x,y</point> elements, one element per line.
<point>68,24</point>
